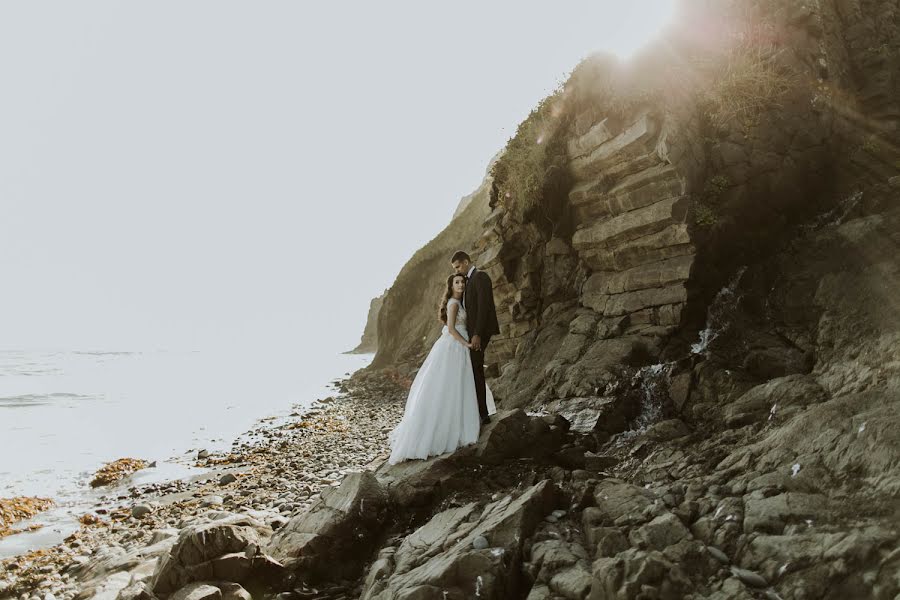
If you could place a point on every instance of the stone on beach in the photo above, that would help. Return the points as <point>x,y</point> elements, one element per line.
<point>193,556</point>
<point>140,510</point>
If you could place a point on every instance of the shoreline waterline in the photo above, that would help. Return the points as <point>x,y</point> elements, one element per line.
<point>70,488</point>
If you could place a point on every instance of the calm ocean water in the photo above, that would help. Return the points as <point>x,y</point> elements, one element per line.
<point>64,414</point>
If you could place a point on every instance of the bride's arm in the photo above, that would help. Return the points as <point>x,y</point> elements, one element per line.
<point>452,311</point>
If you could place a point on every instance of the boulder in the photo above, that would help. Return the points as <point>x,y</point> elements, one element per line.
<point>504,437</point>
<point>337,533</point>
<point>195,550</point>
<point>438,559</point>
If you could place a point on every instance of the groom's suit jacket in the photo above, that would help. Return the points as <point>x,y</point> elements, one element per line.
<point>479,304</point>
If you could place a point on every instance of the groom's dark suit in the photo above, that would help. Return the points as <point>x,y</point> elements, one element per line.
<point>482,321</point>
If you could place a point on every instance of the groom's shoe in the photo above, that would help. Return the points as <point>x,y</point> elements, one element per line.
<point>485,420</point>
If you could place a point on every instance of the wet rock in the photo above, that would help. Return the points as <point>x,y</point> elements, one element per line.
<point>227,478</point>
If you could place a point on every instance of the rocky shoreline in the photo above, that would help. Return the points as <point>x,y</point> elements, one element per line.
<point>277,474</point>
<point>601,505</point>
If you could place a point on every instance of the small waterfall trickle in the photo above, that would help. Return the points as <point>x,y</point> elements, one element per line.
<point>653,384</point>
<point>718,317</point>
<point>836,215</point>
<point>650,385</point>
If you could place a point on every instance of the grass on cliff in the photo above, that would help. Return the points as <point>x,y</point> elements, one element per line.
<point>531,178</point>
<point>746,80</point>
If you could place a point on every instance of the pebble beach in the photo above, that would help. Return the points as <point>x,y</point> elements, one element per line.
<point>274,472</point>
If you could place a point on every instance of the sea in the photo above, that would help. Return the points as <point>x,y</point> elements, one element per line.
<point>64,414</point>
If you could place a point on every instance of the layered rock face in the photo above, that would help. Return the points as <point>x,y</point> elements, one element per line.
<point>669,197</point>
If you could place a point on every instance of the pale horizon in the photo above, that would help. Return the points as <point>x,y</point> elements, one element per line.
<point>183,176</point>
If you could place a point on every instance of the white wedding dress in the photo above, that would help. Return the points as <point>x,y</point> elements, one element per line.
<point>441,412</point>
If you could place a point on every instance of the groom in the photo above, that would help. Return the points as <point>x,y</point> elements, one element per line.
<point>478,300</point>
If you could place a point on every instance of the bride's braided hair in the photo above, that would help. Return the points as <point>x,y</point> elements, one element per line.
<point>448,293</point>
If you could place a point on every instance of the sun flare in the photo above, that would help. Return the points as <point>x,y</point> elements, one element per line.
<point>632,26</point>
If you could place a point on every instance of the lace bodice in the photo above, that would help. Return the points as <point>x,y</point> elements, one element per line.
<point>460,316</point>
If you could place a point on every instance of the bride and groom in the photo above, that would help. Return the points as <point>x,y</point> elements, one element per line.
<point>449,400</point>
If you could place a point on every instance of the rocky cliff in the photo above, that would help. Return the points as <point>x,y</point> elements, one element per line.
<point>696,263</point>
<point>369,341</point>
<point>679,180</point>
<point>408,320</point>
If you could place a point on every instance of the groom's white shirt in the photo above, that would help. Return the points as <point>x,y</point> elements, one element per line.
<point>468,276</point>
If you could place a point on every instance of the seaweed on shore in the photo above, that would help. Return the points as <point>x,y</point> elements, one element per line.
<point>17,509</point>
<point>116,470</point>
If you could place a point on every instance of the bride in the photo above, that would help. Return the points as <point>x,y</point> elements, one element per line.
<point>442,409</point>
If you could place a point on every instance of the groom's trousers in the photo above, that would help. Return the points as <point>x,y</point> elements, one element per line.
<point>478,370</point>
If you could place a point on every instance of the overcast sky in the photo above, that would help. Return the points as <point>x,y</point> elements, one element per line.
<point>195,173</point>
